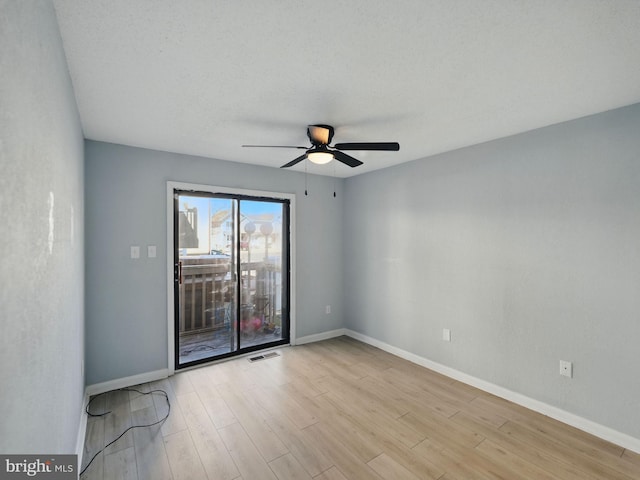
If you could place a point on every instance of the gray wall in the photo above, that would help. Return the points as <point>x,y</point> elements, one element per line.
<point>527,248</point>
<point>126,205</point>
<point>41,238</point>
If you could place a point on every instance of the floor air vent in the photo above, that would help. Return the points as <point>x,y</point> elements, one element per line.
<point>264,357</point>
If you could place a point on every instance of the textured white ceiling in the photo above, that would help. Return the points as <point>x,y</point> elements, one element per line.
<point>204,77</point>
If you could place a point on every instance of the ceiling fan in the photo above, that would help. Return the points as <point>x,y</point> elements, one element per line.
<point>321,152</point>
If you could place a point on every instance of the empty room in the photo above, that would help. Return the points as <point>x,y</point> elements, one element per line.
<point>337,240</point>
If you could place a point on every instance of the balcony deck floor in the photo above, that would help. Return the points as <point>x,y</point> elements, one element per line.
<point>198,346</point>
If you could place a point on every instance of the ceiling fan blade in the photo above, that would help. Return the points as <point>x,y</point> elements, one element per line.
<point>346,159</point>
<point>294,161</point>
<point>386,146</point>
<point>276,146</point>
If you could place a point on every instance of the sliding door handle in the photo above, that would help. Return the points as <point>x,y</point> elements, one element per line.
<point>178,273</point>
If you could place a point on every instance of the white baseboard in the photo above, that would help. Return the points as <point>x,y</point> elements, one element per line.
<point>103,387</point>
<point>317,337</point>
<point>586,425</point>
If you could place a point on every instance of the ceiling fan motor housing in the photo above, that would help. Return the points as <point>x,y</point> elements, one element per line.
<point>320,134</point>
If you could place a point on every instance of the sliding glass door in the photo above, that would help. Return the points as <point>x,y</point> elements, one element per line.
<point>231,275</point>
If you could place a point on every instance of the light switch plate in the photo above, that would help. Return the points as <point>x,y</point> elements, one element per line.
<point>135,251</point>
<point>151,251</point>
<point>446,334</point>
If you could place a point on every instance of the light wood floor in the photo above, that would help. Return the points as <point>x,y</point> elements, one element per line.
<point>336,410</point>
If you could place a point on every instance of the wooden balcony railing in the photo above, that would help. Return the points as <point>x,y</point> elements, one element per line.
<point>208,296</point>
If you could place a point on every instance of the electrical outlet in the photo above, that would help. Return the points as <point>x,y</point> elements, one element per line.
<point>566,368</point>
<point>446,334</point>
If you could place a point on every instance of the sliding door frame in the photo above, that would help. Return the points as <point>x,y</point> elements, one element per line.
<point>171,300</point>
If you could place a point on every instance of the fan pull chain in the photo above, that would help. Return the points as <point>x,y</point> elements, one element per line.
<point>334,179</point>
<point>306,162</point>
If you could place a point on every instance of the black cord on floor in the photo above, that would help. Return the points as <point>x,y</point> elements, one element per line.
<point>159,392</point>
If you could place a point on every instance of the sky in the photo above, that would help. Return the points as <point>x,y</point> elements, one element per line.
<point>209,206</point>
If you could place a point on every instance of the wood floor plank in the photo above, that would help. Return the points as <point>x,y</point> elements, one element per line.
<point>385,441</point>
<point>94,442</point>
<point>288,468</point>
<point>407,435</point>
<point>117,421</point>
<point>596,449</point>
<point>418,465</point>
<point>175,422</point>
<point>120,465</point>
<point>245,454</point>
<point>222,372</point>
<point>438,428</point>
<point>502,407</point>
<point>491,419</point>
<point>362,349</point>
<point>214,404</point>
<point>139,401</point>
<point>181,383</point>
<point>462,462</point>
<point>201,382</point>
<point>302,363</point>
<point>631,457</point>
<point>343,429</point>
<point>253,422</point>
<point>388,397</point>
<point>352,467</point>
<point>416,403</point>
<point>151,457</point>
<point>331,474</point>
<point>278,402</point>
<point>417,397</point>
<point>348,354</point>
<point>365,393</point>
<point>213,453</point>
<point>218,411</point>
<point>589,444</point>
<point>454,393</point>
<point>183,457</point>
<point>586,442</point>
<point>337,366</point>
<point>456,468</point>
<point>481,466</point>
<point>304,386</point>
<point>542,458</point>
<point>273,371</point>
<point>312,458</point>
<point>386,467</point>
<point>567,453</point>
<point>512,462</point>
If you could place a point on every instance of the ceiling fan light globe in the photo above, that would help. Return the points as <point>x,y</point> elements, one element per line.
<point>320,158</point>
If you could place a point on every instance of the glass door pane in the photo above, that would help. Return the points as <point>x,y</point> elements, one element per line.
<point>206,291</point>
<point>263,260</point>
